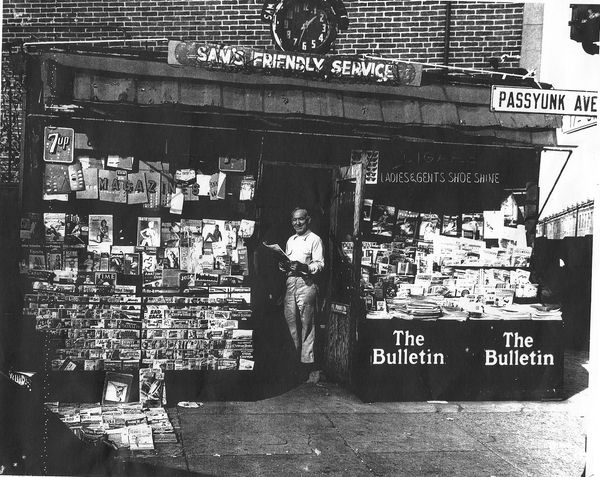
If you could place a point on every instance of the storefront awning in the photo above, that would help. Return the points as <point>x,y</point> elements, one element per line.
<point>104,80</point>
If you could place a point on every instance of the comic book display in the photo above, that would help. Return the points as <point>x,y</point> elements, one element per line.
<point>159,290</point>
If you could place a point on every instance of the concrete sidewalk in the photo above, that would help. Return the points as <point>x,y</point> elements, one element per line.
<point>321,429</point>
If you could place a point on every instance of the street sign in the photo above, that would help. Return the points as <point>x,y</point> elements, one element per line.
<point>573,124</point>
<point>544,101</point>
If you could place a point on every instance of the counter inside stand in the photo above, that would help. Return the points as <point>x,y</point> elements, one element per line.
<point>510,353</point>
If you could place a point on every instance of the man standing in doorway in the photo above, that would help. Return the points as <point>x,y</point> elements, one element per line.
<point>305,251</point>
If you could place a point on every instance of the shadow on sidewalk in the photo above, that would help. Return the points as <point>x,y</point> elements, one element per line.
<point>127,469</point>
<point>36,442</point>
<point>576,376</point>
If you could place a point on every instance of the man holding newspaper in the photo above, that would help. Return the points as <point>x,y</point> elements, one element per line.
<point>303,260</point>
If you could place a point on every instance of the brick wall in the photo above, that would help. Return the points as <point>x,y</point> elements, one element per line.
<point>410,30</point>
<point>400,29</point>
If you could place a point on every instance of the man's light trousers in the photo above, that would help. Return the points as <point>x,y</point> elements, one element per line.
<point>301,302</point>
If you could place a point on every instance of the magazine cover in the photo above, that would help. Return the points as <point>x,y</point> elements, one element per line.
<point>473,226</point>
<point>152,387</point>
<point>100,236</point>
<point>76,230</point>
<point>493,223</point>
<point>90,261</point>
<point>37,258</point>
<point>71,259</point>
<point>450,225</point>
<point>171,257</point>
<point>191,232</point>
<point>213,230</point>
<point>32,230</point>
<point>246,229</point>
<point>429,225</point>
<point>139,437</point>
<point>383,219</point>
<point>149,261</point>
<point>247,187</point>
<point>170,234</point>
<point>232,233</point>
<point>406,224</point>
<point>131,264</point>
<point>148,231</point>
<point>105,278</point>
<point>54,224</point>
<point>54,258</point>
<point>117,388</point>
<point>194,256</point>
<point>116,261</point>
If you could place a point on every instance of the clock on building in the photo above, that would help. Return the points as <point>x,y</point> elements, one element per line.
<point>304,25</point>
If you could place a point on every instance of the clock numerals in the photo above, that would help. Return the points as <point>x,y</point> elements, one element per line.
<point>305,25</point>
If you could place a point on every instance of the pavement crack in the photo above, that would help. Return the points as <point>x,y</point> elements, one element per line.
<point>356,453</point>
<point>185,457</point>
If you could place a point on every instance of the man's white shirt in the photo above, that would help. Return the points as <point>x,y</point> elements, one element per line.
<point>307,249</point>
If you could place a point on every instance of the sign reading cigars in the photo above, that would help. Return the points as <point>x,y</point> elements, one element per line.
<point>288,63</point>
<point>545,101</point>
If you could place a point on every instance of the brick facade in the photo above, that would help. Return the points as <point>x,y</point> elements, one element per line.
<point>401,29</point>
<point>408,30</point>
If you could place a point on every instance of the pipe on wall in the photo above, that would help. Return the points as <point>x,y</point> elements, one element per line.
<point>447,34</point>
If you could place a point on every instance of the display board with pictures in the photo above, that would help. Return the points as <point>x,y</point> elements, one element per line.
<point>99,252</point>
<point>439,263</point>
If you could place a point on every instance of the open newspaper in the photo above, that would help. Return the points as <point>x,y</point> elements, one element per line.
<point>277,250</point>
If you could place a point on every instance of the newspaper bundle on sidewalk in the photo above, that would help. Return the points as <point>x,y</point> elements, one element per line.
<point>123,425</point>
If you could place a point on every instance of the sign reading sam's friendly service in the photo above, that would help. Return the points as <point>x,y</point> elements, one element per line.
<point>297,64</point>
<point>545,101</point>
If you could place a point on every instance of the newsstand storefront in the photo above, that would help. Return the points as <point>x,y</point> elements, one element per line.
<point>148,188</point>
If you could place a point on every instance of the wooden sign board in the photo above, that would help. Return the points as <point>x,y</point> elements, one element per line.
<point>323,67</point>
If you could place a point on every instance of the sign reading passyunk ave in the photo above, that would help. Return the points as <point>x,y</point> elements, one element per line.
<point>546,101</point>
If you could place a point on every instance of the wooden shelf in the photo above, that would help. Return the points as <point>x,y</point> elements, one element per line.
<point>487,267</point>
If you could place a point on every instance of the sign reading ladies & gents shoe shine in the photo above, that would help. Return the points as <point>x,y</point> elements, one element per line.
<point>286,63</point>
<point>424,175</point>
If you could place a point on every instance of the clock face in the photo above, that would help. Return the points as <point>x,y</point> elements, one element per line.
<point>304,25</point>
